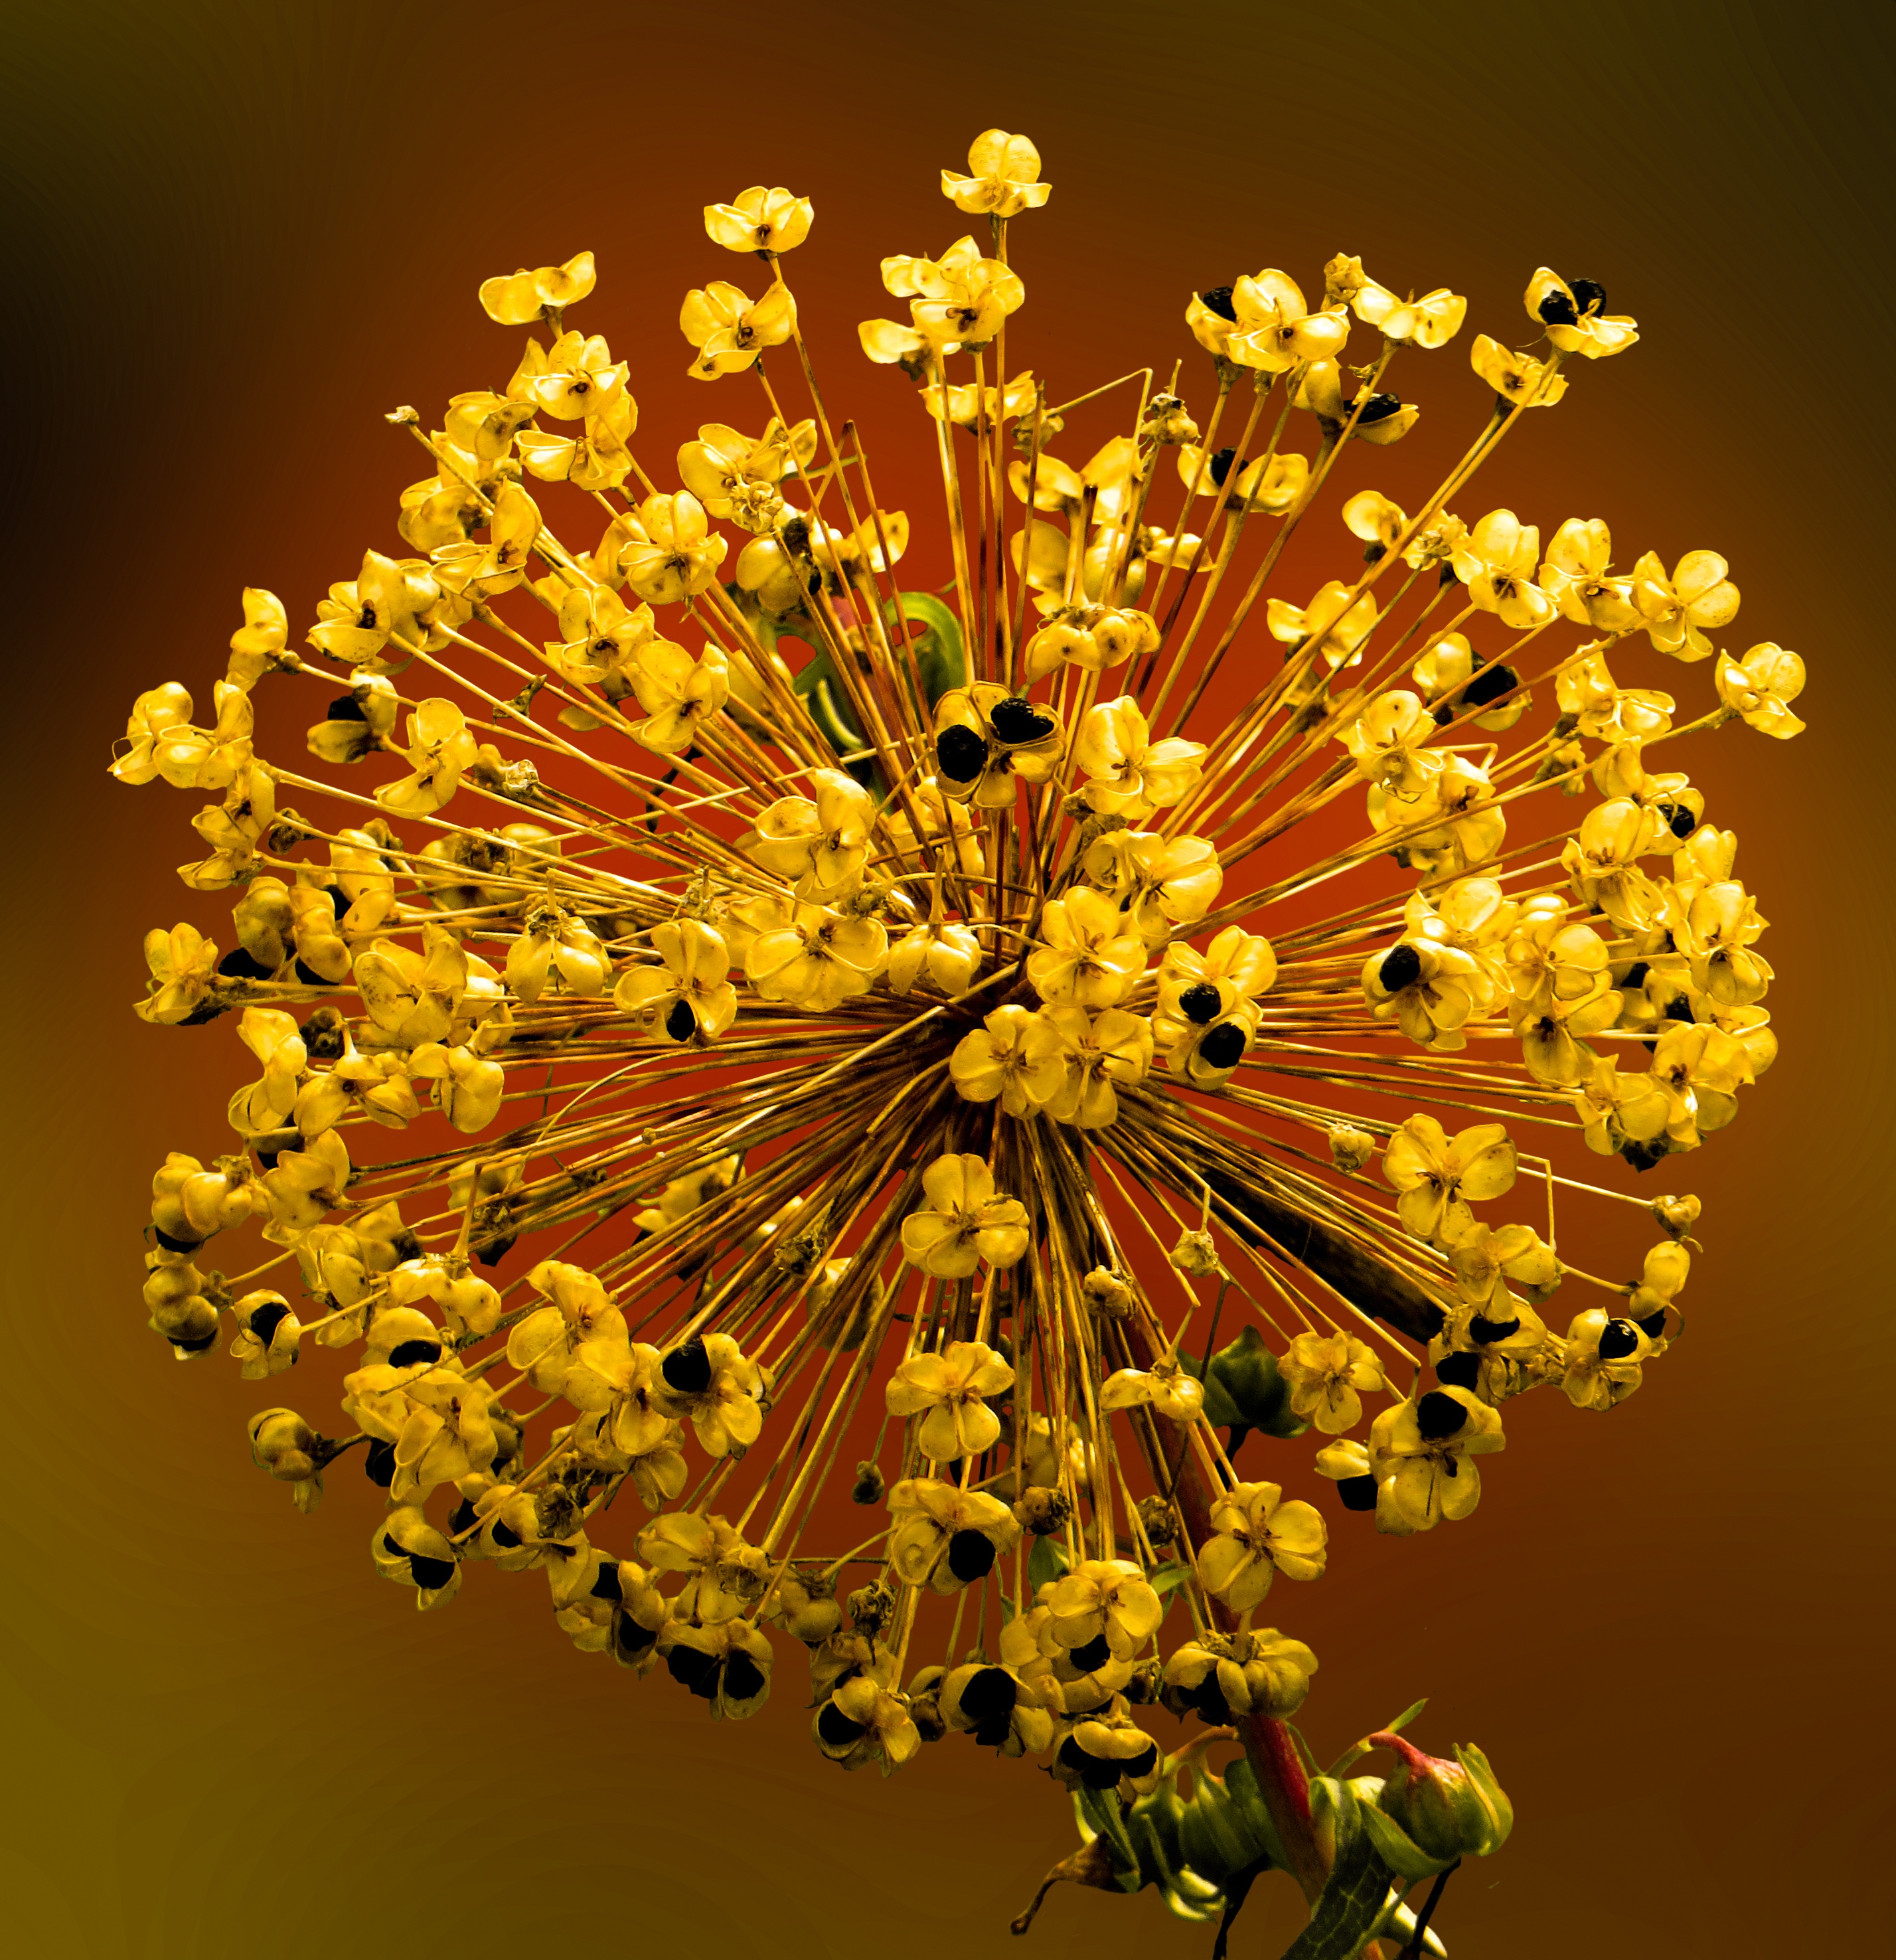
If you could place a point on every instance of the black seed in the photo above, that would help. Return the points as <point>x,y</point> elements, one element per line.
<point>1679,819</point>
<point>1224,1047</point>
<point>1484,1330</point>
<point>1678,1009</point>
<point>1375,552</point>
<point>194,1343</point>
<point>1401,967</point>
<point>1380,408</point>
<point>172,1244</point>
<point>196,1018</point>
<point>1643,1156</point>
<point>461,1516</point>
<point>1200,1002</point>
<point>1458,1371</point>
<point>1358,1493</point>
<point>495,1250</point>
<point>688,1368</point>
<point>971,1556</point>
<point>1437,1415</point>
<point>796,535</point>
<point>267,1319</point>
<point>1094,1773</point>
<point>1446,575</point>
<point>1489,685</point>
<point>339,898</point>
<point>1095,1653</point>
<point>1557,309</point>
<point>993,1733</point>
<point>960,754</point>
<point>680,1023</point>
<point>815,582</point>
<point>238,964</point>
<point>1588,294</point>
<point>404,1245</point>
<point>1653,1325</point>
<point>323,1032</point>
<point>1208,1698</point>
<point>699,1671</point>
<point>1016,721</point>
<point>990,1696</point>
<point>605,1586</point>
<point>836,1729</point>
<point>506,1537</point>
<point>345,707</point>
<point>378,1464</point>
<point>1221,465</point>
<point>431,1574</point>
<point>311,977</point>
<point>407,1353</point>
<point>631,1639</point>
<point>1219,300</point>
<point>1621,1339</point>
<point>1141,1765</point>
<point>743,1678</point>
<point>1636,974</point>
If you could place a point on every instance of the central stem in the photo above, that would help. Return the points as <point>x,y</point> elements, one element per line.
<point>1268,1744</point>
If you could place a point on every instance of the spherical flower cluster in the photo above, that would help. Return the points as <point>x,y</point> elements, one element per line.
<point>715,1017</point>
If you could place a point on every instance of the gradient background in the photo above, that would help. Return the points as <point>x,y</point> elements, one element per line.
<point>241,233</point>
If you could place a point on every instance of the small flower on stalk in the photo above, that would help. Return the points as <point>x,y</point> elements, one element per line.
<point>949,1392</point>
<point>945,1537</point>
<point>759,220</point>
<point>1760,688</point>
<point>1221,1676</point>
<point>1256,1534</point>
<point>1329,1375</point>
<point>966,1223</point>
<point>1422,1452</point>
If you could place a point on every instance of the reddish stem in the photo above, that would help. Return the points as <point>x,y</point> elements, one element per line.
<point>1273,1753</point>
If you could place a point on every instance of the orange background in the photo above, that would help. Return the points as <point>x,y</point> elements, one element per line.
<point>244,232</point>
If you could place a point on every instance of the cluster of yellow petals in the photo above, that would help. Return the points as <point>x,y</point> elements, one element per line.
<point>894,967</point>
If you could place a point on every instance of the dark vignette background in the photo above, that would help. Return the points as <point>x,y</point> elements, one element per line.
<point>239,232</point>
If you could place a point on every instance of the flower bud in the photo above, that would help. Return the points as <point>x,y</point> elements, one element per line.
<point>1195,1255</point>
<point>870,1608</point>
<point>1106,1293</point>
<point>1678,1215</point>
<point>1448,1809</point>
<point>268,1334</point>
<point>1043,1511</point>
<point>284,1445</point>
<point>805,1606</point>
<point>869,1485</point>
<point>1350,1148</point>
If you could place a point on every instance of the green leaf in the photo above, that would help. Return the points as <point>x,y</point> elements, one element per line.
<point>1353,1901</point>
<point>940,652</point>
<point>1048,1561</point>
<point>1216,1834</point>
<point>1240,1784</point>
<point>1398,1850</point>
<point>1219,1409</point>
<point>816,683</point>
<point>1358,1750</point>
<point>1100,1809</point>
